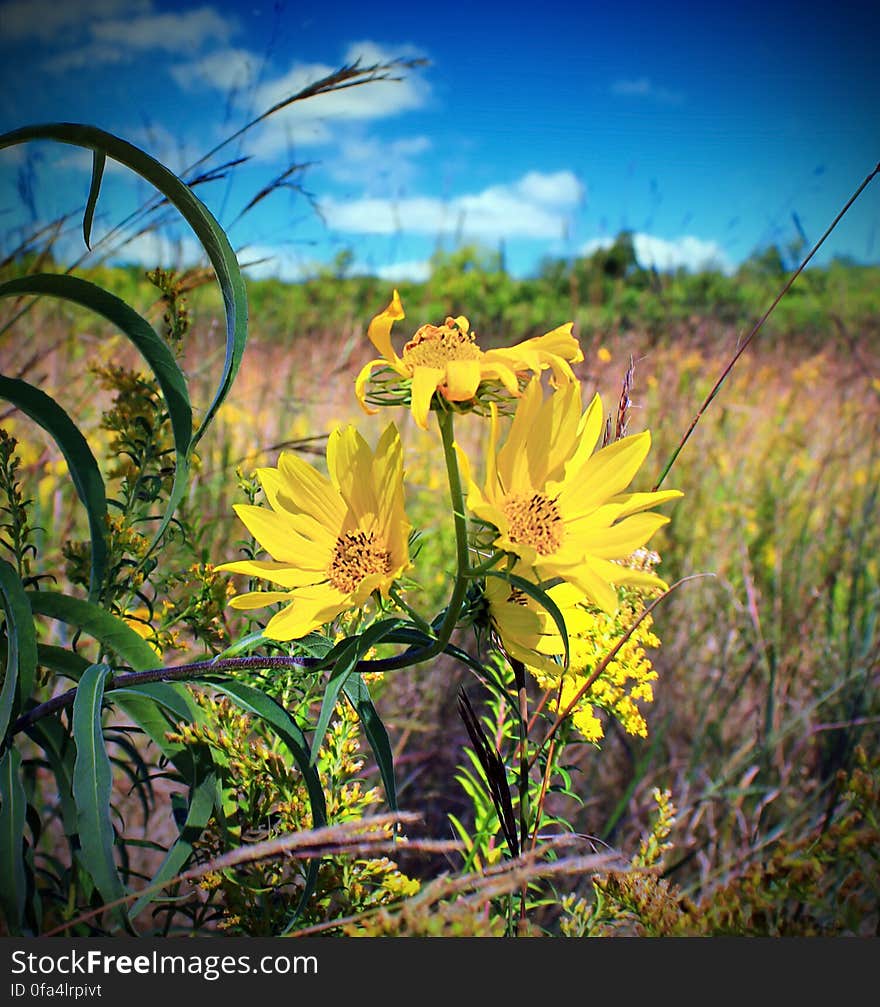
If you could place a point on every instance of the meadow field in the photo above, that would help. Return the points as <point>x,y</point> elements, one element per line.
<point>747,803</point>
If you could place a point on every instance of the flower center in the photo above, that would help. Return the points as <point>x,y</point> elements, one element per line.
<point>436,345</point>
<point>356,556</point>
<point>535,521</point>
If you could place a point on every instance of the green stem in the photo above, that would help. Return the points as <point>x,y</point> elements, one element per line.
<point>462,553</point>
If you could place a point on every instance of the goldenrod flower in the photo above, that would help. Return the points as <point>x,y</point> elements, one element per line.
<point>559,506</point>
<point>333,542</point>
<point>446,360</point>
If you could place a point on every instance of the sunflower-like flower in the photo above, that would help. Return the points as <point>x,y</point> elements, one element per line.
<point>446,360</point>
<point>558,505</point>
<point>333,541</point>
<point>528,633</point>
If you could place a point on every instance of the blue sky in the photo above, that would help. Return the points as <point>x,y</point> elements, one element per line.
<point>543,130</point>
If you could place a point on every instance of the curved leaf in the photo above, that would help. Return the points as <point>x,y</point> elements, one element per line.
<point>201,804</point>
<point>81,463</point>
<point>61,660</point>
<point>152,348</point>
<point>13,805</point>
<point>157,708</point>
<point>345,656</point>
<point>108,629</point>
<point>98,161</point>
<point>539,595</point>
<point>60,752</point>
<point>358,693</point>
<point>21,652</point>
<point>92,784</point>
<point>206,228</point>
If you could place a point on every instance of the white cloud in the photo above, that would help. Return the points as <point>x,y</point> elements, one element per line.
<point>223,69</point>
<point>415,271</point>
<point>168,32</point>
<point>535,206</point>
<point>49,20</point>
<point>686,252</point>
<point>311,121</point>
<point>375,165</point>
<point>644,87</point>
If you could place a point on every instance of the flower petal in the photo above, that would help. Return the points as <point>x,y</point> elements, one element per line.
<point>425,381</point>
<point>379,330</point>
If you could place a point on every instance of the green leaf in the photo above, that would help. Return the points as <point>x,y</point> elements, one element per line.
<point>346,661</point>
<point>98,160</point>
<point>81,463</point>
<point>61,660</point>
<point>60,752</point>
<point>111,631</point>
<point>201,804</point>
<point>204,225</point>
<point>13,805</point>
<point>358,693</point>
<point>156,708</point>
<point>538,594</point>
<point>153,349</point>
<point>21,652</point>
<point>92,785</point>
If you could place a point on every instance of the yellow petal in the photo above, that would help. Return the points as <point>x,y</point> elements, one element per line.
<point>360,385</point>
<point>308,612</point>
<point>623,538</point>
<point>632,503</point>
<point>258,599</point>
<point>425,382</point>
<point>278,573</point>
<point>379,330</point>
<point>277,535</point>
<point>606,473</point>
<point>462,380</point>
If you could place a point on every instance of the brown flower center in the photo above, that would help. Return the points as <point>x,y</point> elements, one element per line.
<point>357,555</point>
<point>436,345</point>
<point>534,521</point>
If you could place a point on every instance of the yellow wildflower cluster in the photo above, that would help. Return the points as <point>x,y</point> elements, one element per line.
<point>264,797</point>
<point>623,683</point>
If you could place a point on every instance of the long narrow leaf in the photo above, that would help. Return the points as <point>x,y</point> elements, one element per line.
<point>152,348</point>
<point>92,785</point>
<point>84,471</point>
<point>358,693</point>
<point>201,804</point>
<point>60,752</point>
<point>21,651</point>
<point>105,627</point>
<point>98,161</point>
<point>208,231</point>
<point>345,656</point>
<point>13,890</point>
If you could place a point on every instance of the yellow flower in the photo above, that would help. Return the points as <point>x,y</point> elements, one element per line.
<point>559,506</point>
<point>446,360</point>
<point>526,629</point>
<point>333,542</point>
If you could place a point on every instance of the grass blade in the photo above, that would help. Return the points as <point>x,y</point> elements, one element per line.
<point>206,228</point>
<point>92,784</point>
<point>358,693</point>
<point>152,348</point>
<point>21,653</point>
<point>13,805</point>
<point>84,471</point>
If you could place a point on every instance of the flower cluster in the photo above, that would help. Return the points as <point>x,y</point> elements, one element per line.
<point>553,511</point>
